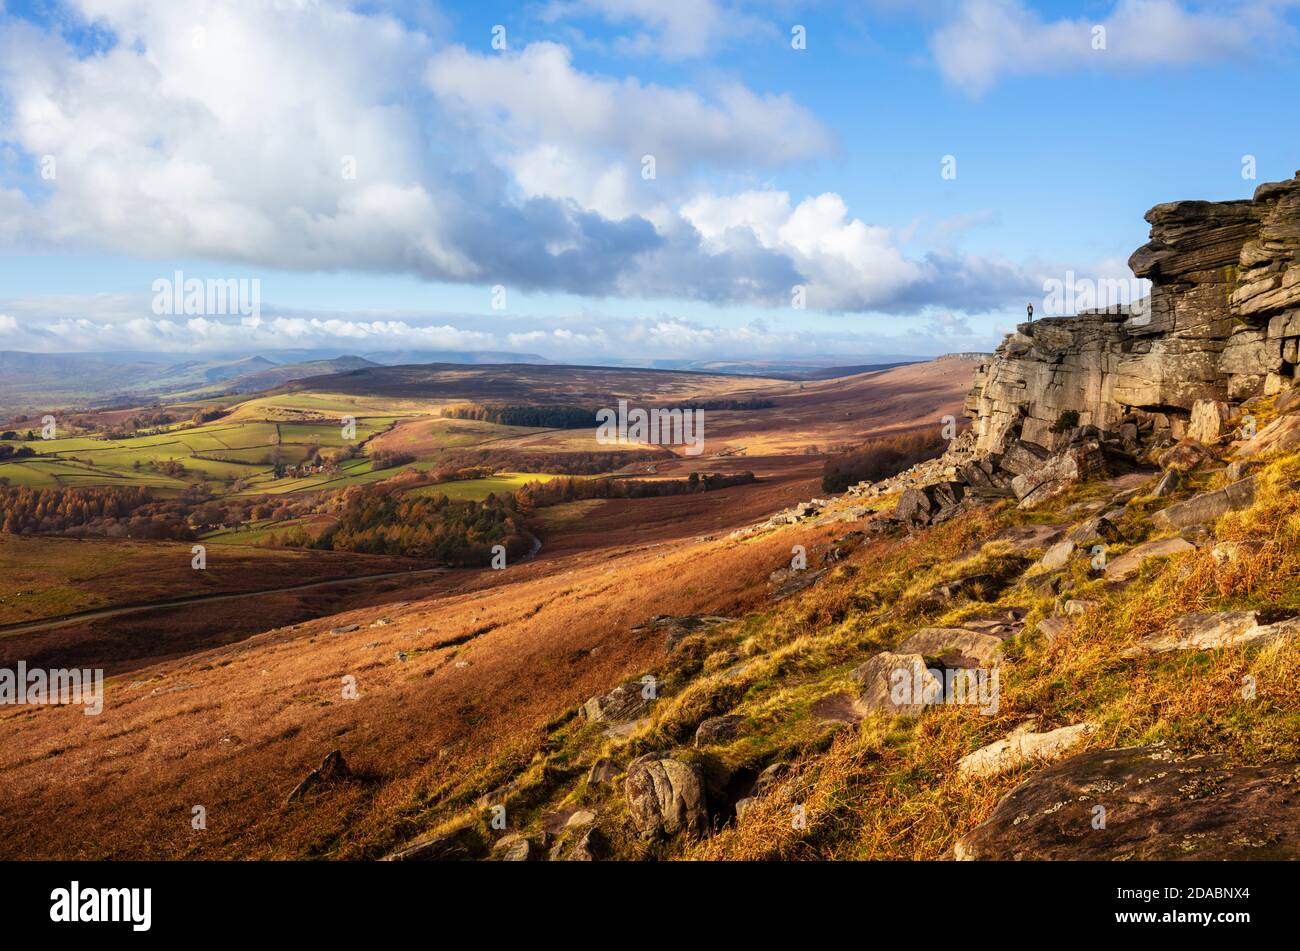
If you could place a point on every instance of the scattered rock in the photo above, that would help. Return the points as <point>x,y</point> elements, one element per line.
<point>1020,746</point>
<point>1057,473</point>
<point>1053,626</point>
<point>1209,421</point>
<point>677,629</point>
<point>1127,564</point>
<point>333,768</point>
<point>593,846</point>
<point>788,581</point>
<point>513,848</point>
<point>771,776</point>
<point>345,629</point>
<point>878,675</point>
<point>1207,506</point>
<point>1231,552</point>
<point>954,647</point>
<point>1024,538</point>
<point>1058,556</point>
<point>718,729</point>
<point>1077,606</point>
<point>1158,807</point>
<point>930,504</point>
<point>1167,484</point>
<point>952,593</point>
<point>1097,530</point>
<point>665,797</point>
<point>624,703</point>
<point>458,845</point>
<point>1281,435</point>
<point>583,817</point>
<point>603,772</point>
<point>1208,630</point>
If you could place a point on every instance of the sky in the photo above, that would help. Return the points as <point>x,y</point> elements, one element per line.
<point>607,180</point>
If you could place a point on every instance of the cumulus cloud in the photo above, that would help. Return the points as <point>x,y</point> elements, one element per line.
<point>985,40</point>
<point>298,136</point>
<point>848,264</point>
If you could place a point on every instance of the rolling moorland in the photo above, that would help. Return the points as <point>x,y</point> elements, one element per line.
<point>238,475</point>
<point>1115,537</point>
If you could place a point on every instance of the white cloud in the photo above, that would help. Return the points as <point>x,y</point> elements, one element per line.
<point>987,39</point>
<point>222,132</point>
<point>539,95</point>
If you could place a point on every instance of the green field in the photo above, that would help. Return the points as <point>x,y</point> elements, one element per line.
<point>238,454</point>
<point>479,489</point>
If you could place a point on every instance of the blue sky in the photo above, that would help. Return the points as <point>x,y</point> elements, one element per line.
<point>207,137</point>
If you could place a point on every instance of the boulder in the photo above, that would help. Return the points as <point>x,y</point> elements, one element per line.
<point>1281,435</point>
<point>623,704</point>
<point>954,646</point>
<point>1058,556</point>
<point>1209,421</point>
<point>881,673</point>
<point>1157,806</point>
<point>1077,606</point>
<point>771,776</point>
<point>1058,473</point>
<point>1127,564</point>
<point>1167,484</point>
<point>603,772</point>
<point>583,817</point>
<point>930,504</point>
<point>513,848</point>
<point>1053,626</point>
<point>718,729</point>
<point>1097,530</point>
<point>1021,746</point>
<point>1205,507</point>
<point>1233,552</point>
<point>677,629</point>
<point>1023,458</point>
<point>588,845</point>
<point>1209,630</point>
<point>665,797</point>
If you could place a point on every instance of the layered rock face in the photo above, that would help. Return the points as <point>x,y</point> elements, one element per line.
<point>1222,324</point>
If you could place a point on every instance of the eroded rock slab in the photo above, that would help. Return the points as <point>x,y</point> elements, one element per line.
<point>1127,564</point>
<point>1020,746</point>
<point>954,646</point>
<point>1210,630</point>
<point>1207,506</point>
<point>1157,806</point>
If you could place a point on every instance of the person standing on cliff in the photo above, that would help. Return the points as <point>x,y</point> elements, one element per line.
<point>1030,309</point>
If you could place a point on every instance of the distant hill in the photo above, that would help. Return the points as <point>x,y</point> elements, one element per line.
<point>393,358</point>
<point>272,375</point>
<point>40,382</point>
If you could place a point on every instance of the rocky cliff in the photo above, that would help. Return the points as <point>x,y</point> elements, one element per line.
<point>1222,324</point>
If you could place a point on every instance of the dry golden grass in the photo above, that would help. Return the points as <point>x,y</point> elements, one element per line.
<point>889,789</point>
